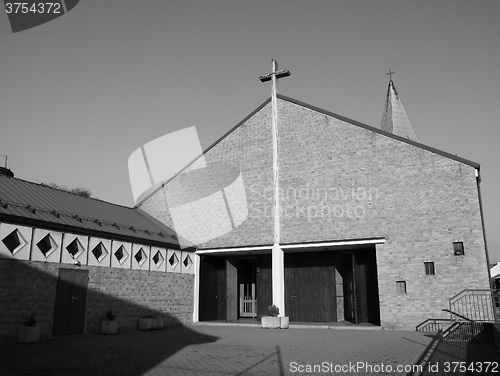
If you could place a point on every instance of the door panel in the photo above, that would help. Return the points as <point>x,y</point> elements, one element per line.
<point>365,268</point>
<point>264,291</point>
<point>232,290</point>
<point>212,289</point>
<point>69,309</point>
<point>310,293</point>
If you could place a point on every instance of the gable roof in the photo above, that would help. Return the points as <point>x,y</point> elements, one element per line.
<point>324,112</point>
<point>29,203</point>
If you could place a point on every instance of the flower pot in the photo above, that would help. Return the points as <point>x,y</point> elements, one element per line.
<point>157,323</point>
<point>146,323</point>
<point>269,322</point>
<point>285,322</point>
<point>109,327</point>
<point>28,334</point>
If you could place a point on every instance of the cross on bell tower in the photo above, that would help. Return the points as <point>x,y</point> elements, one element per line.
<point>390,73</point>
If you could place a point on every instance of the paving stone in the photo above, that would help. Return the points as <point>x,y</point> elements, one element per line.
<point>222,350</point>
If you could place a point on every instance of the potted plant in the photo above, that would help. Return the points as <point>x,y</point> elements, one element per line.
<point>110,325</point>
<point>29,333</point>
<point>150,322</point>
<point>271,321</point>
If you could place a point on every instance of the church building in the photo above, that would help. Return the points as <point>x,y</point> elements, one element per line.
<point>329,219</point>
<point>337,220</point>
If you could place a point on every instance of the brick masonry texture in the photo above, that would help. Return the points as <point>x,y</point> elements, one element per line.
<point>340,181</point>
<point>30,287</point>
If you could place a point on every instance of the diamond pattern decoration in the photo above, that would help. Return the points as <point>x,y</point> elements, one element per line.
<point>158,259</point>
<point>47,245</point>
<point>14,241</point>
<point>75,248</point>
<point>140,256</point>
<point>187,262</point>
<point>100,252</point>
<point>121,254</point>
<point>173,260</point>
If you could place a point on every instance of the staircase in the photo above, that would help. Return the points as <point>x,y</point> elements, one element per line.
<point>472,315</point>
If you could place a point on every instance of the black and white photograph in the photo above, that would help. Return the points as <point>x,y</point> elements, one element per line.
<point>238,188</point>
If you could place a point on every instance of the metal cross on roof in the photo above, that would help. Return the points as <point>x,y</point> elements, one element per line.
<point>390,74</point>
<point>274,75</point>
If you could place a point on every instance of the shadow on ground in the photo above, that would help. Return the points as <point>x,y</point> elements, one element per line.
<point>475,356</point>
<point>37,288</point>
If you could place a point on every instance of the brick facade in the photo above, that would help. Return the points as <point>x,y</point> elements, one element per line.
<point>338,181</point>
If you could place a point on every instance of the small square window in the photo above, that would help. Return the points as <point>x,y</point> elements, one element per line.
<point>458,248</point>
<point>401,287</point>
<point>429,268</point>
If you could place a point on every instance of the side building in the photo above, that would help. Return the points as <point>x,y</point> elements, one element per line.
<point>68,259</point>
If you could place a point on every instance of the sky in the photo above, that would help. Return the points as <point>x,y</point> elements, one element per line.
<point>80,93</point>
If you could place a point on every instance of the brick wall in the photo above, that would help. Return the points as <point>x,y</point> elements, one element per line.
<point>359,184</point>
<point>30,287</point>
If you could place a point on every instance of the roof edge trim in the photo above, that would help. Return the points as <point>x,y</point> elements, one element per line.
<point>316,244</point>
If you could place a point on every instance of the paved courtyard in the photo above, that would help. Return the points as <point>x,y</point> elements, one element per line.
<point>231,350</point>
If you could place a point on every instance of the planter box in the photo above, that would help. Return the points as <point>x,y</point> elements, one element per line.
<point>150,323</point>
<point>109,327</point>
<point>269,322</point>
<point>157,323</point>
<point>285,322</point>
<point>28,334</point>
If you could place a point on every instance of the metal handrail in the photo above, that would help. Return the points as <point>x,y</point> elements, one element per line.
<point>456,314</point>
<point>474,305</point>
<point>434,323</point>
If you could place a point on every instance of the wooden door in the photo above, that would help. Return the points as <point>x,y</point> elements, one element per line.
<point>310,293</point>
<point>71,295</point>
<point>360,305</point>
<point>212,289</point>
<point>366,287</point>
<point>231,290</point>
<point>345,265</point>
<point>264,281</point>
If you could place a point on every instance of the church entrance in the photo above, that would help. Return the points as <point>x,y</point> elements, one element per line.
<point>234,287</point>
<point>360,286</point>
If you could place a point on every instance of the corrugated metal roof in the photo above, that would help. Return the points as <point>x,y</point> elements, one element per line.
<point>25,202</point>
